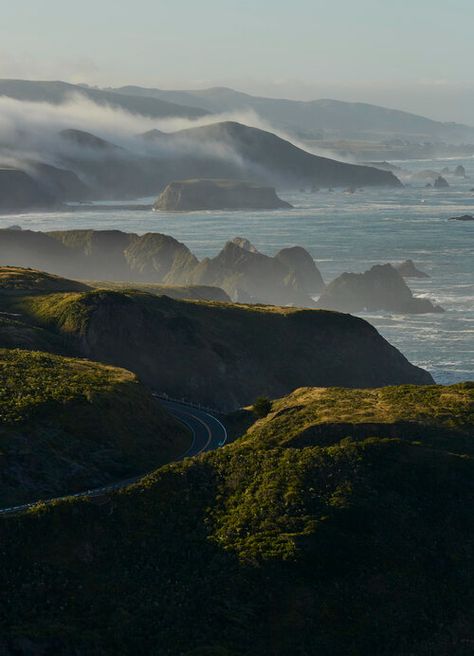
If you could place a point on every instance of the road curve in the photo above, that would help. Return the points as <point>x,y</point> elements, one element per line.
<point>207,432</point>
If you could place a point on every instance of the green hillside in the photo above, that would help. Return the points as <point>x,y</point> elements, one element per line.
<point>68,424</point>
<point>219,354</point>
<point>341,546</point>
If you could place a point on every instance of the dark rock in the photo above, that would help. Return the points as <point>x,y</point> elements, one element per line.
<point>407,269</point>
<point>302,269</point>
<point>190,195</point>
<point>380,288</point>
<point>464,217</point>
<point>460,171</point>
<point>249,276</point>
<point>160,257</point>
<point>441,183</point>
<point>245,244</point>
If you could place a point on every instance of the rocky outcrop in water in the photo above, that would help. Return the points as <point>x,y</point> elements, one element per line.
<point>289,278</point>
<point>191,195</point>
<point>464,217</point>
<point>380,288</point>
<point>441,183</point>
<point>407,269</point>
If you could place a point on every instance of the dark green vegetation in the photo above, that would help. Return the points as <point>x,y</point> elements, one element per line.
<point>190,292</point>
<point>262,407</point>
<point>68,424</point>
<point>348,543</point>
<point>219,354</point>
<point>18,280</point>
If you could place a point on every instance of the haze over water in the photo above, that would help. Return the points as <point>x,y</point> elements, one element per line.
<point>348,232</point>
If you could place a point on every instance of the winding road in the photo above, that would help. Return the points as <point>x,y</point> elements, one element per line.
<point>207,434</point>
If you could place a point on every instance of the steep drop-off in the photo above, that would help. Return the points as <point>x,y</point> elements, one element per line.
<point>201,194</point>
<point>289,278</point>
<point>380,288</point>
<point>218,354</point>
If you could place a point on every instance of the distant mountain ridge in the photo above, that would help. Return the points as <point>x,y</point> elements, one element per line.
<point>333,117</point>
<point>57,92</point>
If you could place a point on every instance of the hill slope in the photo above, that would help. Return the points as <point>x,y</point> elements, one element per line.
<point>332,117</point>
<point>56,92</point>
<point>218,354</point>
<point>352,547</point>
<point>67,425</point>
<point>279,159</point>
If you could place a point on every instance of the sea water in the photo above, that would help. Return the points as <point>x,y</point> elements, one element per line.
<point>347,232</point>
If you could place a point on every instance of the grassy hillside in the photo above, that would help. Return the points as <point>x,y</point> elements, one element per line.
<point>191,292</point>
<point>18,279</point>
<point>68,424</point>
<point>440,416</point>
<point>219,354</point>
<point>342,546</point>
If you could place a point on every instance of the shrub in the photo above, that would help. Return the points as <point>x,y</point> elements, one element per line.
<point>262,407</point>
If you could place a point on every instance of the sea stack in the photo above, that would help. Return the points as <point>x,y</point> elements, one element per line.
<point>203,194</point>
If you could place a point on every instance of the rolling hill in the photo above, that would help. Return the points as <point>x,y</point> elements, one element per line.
<point>339,544</point>
<point>67,425</point>
<point>57,92</point>
<point>332,118</point>
<point>218,354</point>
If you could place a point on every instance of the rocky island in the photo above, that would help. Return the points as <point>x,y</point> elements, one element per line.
<point>464,217</point>
<point>202,194</point>
<point>408,269</point>
<point>380,288</point>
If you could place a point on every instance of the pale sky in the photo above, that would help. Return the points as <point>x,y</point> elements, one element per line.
<point>409,54</point>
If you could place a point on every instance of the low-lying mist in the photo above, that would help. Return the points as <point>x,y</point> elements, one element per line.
<point>31,131</point>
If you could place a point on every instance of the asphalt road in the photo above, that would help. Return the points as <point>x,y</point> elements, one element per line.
<point>207,434</point>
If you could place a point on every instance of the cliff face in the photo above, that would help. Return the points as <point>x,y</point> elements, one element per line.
<point>19,191</point>
<point>100,254</point>
<point>380,288</point>
<point>302,270</point>
<point>190,195</point>
<point>248,276</point>
<point>223,355</point>
<point>289,278</point>
<point>159,257</point>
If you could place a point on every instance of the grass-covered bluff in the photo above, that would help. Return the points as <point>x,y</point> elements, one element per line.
<point>219,354</point>
<point>69,424</point>
<point>338,545</point>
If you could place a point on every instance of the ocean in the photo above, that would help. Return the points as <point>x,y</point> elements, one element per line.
<point>347,232</point>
